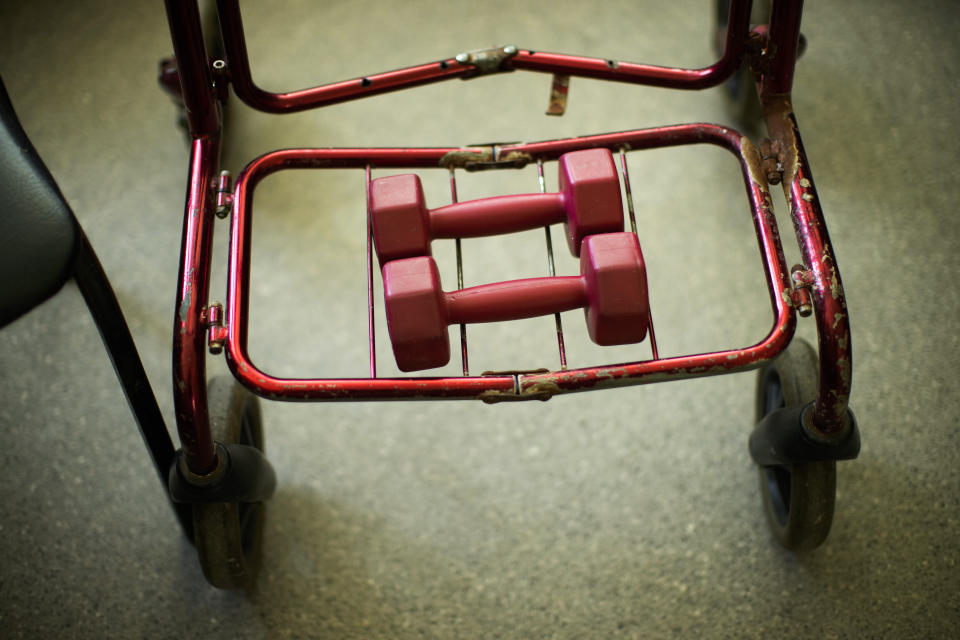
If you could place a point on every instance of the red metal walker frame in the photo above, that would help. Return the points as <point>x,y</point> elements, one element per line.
<point>772,54</point>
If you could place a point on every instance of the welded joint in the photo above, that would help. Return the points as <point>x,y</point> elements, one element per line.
<point>216,332</point>
<point>487,61</point>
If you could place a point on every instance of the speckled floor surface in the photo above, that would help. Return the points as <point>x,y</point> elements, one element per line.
<point>632,513</point>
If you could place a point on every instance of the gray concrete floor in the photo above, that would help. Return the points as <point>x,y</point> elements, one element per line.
<point>628,513</point>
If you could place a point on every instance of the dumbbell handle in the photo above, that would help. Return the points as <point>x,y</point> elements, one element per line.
<point>515,299</point>
<point>497,215</point>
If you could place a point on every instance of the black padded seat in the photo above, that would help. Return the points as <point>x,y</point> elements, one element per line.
<point>41,247</point>
<point>38,232</point>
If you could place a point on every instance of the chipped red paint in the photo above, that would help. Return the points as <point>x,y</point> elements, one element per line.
<point>240,75</point>
<point>831,413</point>
<point>190,330</point>
<point>193,282</point>
<point>494,387</point>
<point>826,289</point>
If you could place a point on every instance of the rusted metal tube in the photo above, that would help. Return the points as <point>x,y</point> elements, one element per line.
<point>830,415</point>
<point>193,281</point>
<point>190,330</point>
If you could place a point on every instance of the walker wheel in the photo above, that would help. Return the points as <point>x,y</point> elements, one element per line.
<point>798,498</point>
<point>229,535</point>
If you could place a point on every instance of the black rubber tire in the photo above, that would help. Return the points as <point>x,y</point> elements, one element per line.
<point>799,498</point>
<point>229,535</point>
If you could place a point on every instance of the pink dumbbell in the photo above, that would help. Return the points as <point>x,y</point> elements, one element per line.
<point>588,202</point>
<point>612,289</point>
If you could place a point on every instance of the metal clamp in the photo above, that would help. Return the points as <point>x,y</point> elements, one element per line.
<point>224,192</point>
<point>216,332</point>
<point>483,157</point>
<point>770,162</point>
<point>487,61</point>
<point>800,297</point>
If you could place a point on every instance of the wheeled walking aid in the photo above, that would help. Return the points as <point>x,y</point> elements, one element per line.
<point>219,479</point>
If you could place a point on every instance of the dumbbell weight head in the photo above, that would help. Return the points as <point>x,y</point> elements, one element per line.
<point>588,203</point>
<point>400,219</point>
<point>591,195</point>
<point>416,313</point>
<point>612,288</point>
<point>615,279</point>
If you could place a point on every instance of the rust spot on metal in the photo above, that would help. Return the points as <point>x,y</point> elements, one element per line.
<point>511,160</point>
<point>458,159</point>
<point>805,183</point>
<point>780,125</point>
<point>542,391</point>
<point>844,365</point>
<point>807,197</point>
<point>836,289</point>
<point>751,154</point>
<point>481,159</point>
<point>187,303</point>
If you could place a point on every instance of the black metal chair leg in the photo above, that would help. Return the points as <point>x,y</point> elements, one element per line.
<point>105,309</point>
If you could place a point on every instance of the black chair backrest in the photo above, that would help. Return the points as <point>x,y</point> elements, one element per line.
<point>38,232</point>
